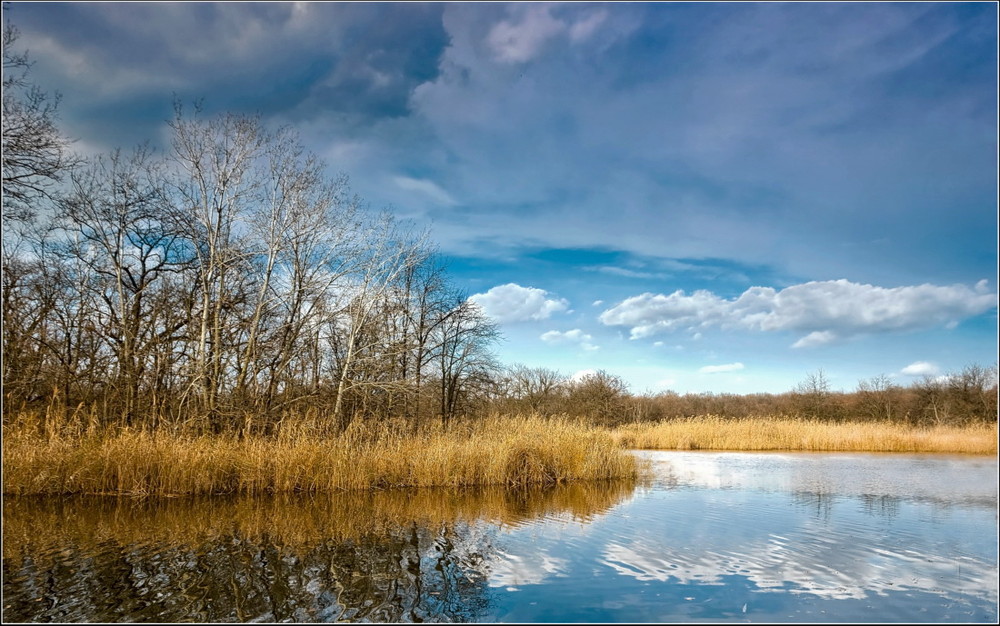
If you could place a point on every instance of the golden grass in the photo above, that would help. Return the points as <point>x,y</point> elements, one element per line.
<point>790,434</point>
<point>515,451</point>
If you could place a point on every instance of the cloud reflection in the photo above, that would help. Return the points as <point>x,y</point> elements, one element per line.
<point>513,570</point>
<point>937,478</point>
<point>835,526</point>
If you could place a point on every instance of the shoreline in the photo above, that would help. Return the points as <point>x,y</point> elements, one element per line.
<point>787,434</point>
<point>510,452</point>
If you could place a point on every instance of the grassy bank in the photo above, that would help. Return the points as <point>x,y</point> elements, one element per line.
<point>39,459</point>
<point>46,455</point>
<point>789,434</point>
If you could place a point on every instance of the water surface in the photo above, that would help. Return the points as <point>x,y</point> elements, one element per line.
<point>737,537</point>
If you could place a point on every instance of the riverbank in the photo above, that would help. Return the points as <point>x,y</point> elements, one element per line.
<point>791,434</point>
<point>42,456</point>
<point>513,452</point>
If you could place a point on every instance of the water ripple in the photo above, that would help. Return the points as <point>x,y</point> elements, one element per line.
<point>714,537</point>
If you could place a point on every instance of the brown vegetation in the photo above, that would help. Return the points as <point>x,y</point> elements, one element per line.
<point>47,456</point>
<point>967,397</point>
<point>790,434</point>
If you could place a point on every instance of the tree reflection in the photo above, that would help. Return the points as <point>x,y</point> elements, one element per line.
<point>381,557</point>
<point>820,502</point>
<point>880,505</point>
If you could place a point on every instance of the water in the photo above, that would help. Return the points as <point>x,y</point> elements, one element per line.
<point>738,537</point>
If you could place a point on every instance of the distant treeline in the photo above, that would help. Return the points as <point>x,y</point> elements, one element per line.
<point>965,397</point>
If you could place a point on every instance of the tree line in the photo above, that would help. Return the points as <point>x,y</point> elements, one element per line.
<point>230,279</point>
<point>231,275</point>
<point>228,275</point>
<point>965,397</point>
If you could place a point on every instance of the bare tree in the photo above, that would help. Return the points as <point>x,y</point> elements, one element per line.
<point>299,234</point>
<point>113,215</point>
<point>972,393</point>
<point>35,153</point>
<point>77,357</point>
<point>464,339</point>
<point>538,389</point>
<point>814,395</point>
<point>315,262</point>
<point>383,257</point>
<point>232,275</point>
<point>428,303</point>
<point>28,301</point>
<point>600,396</point>
<point>215,186</point>
<point>876,397</point>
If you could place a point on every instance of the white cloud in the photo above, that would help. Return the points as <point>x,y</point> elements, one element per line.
<point>427,187</point>
<point>514,303</point>
<point>584,28</point>
<point>623,271</point>
<point>582,374</point>
<point>576,336</point>
<point>598,302</point>
<point>824,310</point>
<point>815,338</point>
<point>520,41</point>
<point>920,368</point>
<point>522,38</point>
<point>717,369</point>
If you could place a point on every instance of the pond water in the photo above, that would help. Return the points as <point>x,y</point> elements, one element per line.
<point>739,537</point>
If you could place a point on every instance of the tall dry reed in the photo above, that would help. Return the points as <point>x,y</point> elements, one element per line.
<point>790,434</point>
<point>44,458</point>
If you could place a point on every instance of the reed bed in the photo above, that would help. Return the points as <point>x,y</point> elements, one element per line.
<point>39,458</point>
<point>792,434</point>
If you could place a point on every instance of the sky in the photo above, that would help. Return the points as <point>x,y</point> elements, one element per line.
<point>696,197</point>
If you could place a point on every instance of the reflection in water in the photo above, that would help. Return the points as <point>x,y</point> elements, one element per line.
<point>883,506</point>
<point>948,479</point>
<point>845,528</point>
<point>818,503</point>
<point>385,556</point>
<point>713,536</point>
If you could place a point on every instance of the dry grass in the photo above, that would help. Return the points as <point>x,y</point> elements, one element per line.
<point>789,434</point>
<point>44,458</point>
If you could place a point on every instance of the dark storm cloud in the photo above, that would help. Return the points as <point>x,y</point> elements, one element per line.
<point>356,63</point>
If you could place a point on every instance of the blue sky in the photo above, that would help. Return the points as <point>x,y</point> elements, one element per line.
<point>694,196</point>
